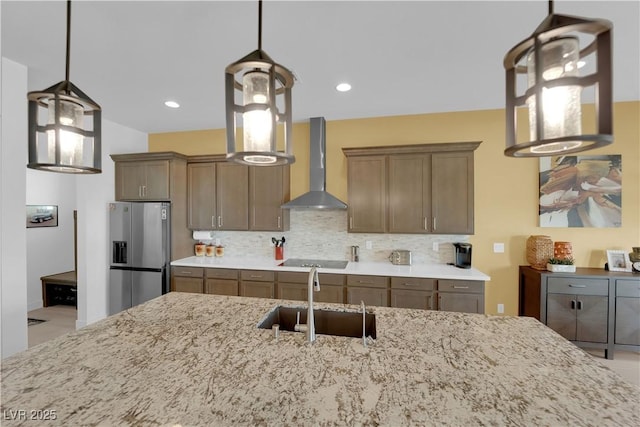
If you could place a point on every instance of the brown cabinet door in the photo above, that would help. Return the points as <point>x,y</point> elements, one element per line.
<point>232,196</point>
<point>156,185</point>
<point>409,194</point>
<point>411,299</point>
<point>201,196</point>
<point>221,287</point>
<point>330,293</point>
<point>268,190</point>
<point>370,296</point>
<point>460,302</point>
<point>293,291</point>
<point>452,193</point>
<point>367,194</point>
<point>257,289</point>
<point>129,180</point>
<point>187,284</point>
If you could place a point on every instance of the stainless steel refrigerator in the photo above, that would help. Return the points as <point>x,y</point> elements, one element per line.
<point>140,237</point>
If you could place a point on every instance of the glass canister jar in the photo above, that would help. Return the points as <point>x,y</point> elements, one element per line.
<point>539,250</point>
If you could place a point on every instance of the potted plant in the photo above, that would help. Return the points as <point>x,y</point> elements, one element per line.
<point>561,265</point>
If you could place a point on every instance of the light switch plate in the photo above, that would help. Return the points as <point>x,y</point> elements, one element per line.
<point>368,244</point>
<point>498,248</point>
<point>436,246</point>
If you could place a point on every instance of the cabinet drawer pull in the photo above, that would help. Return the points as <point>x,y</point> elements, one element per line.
<point>571,285</point>
<point>365,282</point>
<point>256,276</point>
<point>184,272</point>
<point>460,287</point>
<point>411,284</point>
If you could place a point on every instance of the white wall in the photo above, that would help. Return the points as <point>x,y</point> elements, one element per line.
<point>93,194</point>
<point>13,250</point>
<point>49,249</point>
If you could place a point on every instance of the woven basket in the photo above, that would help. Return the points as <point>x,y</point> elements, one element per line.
<point>539,250</point>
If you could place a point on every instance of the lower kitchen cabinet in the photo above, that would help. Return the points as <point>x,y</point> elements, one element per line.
<point>592,307</point>
<point>373,290</point>
<point>411,292</point>
<point>627,329</point>
<point>187,279</point>
<point>221,282</point>
<point>465,296</point>
<point>256,283</point>
<point>294,286</point>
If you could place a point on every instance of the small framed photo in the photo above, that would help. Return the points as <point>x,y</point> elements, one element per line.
<point>42,216</point>
<point>618,260</point>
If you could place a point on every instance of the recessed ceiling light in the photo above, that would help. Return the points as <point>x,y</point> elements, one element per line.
<point>343,87</point>
<point>172,104</point>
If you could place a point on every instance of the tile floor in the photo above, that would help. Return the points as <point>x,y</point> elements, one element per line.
<point>61,319</point>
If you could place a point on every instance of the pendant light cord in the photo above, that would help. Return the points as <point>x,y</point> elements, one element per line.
<point>259,24</point>
<point>68,39</point>
<point>550,7</point>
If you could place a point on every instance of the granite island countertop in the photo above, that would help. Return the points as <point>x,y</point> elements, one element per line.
<point>199,360</point>
<point>436,271</point>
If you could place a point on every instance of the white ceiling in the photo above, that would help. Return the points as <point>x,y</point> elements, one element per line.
<point>401,57</point>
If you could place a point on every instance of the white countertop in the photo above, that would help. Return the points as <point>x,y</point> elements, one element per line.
<point>200,360</point>
<point>436,271</point>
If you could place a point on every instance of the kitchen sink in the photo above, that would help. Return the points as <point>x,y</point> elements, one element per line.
<point>319,263</point>
<point>327,322</point>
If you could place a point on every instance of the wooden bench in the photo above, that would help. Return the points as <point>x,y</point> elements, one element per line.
<point>49,283</point>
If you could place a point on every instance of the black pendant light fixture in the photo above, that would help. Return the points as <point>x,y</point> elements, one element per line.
<point>263,90</point>
<point>564,58</point>
<point>69,139</point>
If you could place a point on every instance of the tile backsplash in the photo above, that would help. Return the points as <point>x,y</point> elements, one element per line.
<point>322,234</point>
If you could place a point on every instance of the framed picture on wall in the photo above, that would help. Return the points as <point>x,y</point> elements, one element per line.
<point>618,260</point>
<point>42,216</point>
<point>581,191</point>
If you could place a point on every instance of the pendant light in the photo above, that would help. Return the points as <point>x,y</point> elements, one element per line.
<point>263,88</point>
<point>69,138</point>
<point>557,69</point>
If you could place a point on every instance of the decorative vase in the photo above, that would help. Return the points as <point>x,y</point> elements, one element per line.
<point>539,250</point>
<point>562,250</point>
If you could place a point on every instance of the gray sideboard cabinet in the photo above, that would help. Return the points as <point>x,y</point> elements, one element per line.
<point>592,307</point>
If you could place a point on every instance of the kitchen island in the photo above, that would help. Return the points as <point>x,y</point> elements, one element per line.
<point>195,359</point>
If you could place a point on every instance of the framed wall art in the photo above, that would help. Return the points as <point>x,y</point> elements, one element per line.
<point>580,191</point>
<point>618,260</point>
<point>42,216</point>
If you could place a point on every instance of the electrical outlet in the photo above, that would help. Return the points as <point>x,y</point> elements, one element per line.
<point>498,248</point>
<point>217,242</point>
<point>500,308</point>
<point>368,244</point>
<point>435,246</point>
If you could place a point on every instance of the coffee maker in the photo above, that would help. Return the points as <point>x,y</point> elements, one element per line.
<point>462,255</point>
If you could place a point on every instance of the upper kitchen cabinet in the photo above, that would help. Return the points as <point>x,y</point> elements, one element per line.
<point>148,176</point>
<point>218,197</point>
<point>268,191</point>
<point>366,183</point>
<point>426,188</point>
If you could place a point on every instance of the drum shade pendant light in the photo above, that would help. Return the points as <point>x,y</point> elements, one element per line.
<point>69,139</point>
<point>564,57</point>
<point>263,89</point>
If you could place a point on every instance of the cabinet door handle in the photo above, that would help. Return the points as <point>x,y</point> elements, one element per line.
<point>579,305</point>
<point>350,222</point>
<point>573,304</point>
<point>139,190</point>
<point>213,220</point>
<point>219,221</point>
<point>460,287</point>
<point>279,222</point>
<point>425,223</point>
<point>571,285</point>
<point>434,223</point>
<point>144,191</point>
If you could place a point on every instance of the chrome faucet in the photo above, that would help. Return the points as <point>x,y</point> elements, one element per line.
<point>310,327</point>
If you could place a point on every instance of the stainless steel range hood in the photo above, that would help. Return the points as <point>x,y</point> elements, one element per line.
<point>317,197</point>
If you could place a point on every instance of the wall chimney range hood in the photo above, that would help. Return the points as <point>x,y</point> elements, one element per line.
<point>317,197</point>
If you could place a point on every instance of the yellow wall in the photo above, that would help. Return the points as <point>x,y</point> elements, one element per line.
<point>506,189</point>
